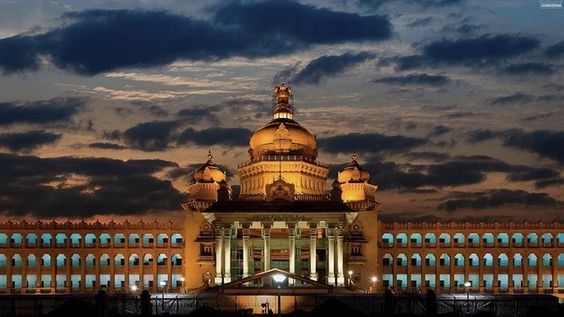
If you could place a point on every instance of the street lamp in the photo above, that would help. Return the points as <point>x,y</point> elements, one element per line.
<point>182,279</point>
<point>374,279</point>
<point>279,279</point>
<point>350,277</point>
<point>467,285</point>
<point>163,284</point>
<point>133,288</point>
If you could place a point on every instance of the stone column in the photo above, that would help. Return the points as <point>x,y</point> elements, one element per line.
<point>245,251</point>
<point>266,237</point>
<point>340,266</point>
<point>313,253</point>
<point>331,255</point>
<point>292,250</point>
<point>227,246</point>
<point>218,256</point>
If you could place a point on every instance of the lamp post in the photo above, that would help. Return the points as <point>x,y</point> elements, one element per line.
<point>163,284</point>
<point>133,288</point>
<point>350,277</point>
<point>182,279</point>
<point>374,279</point>
<point>279,279</point>
<point>467,285</point>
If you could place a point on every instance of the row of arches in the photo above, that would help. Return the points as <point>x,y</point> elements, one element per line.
<point>488,239</point>
<point>89,239</point>
<point>90,260</point>
<point>474,260</point>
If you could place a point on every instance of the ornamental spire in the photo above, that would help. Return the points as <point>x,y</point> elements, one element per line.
<point>281,98</point>
<point>210,156</point>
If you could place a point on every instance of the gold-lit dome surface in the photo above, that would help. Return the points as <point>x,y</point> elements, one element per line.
<point>209,172</point>
<point>353,172</point>
<point>271,139</point>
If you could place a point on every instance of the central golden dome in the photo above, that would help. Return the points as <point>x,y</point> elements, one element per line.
<point>283,135</point>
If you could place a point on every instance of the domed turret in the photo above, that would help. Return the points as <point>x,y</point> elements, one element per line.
<point>283,135</point>
<point>204,186</point>
<point>354,181</point>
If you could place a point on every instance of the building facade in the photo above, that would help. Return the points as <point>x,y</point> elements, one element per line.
<point>283,219</point>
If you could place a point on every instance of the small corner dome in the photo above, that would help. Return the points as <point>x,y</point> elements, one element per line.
<point>209,172</point>
<point>353,172</point>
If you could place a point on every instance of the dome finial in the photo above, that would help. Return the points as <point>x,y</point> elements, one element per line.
<point>210,156</point>
<point>282,100</point>
<point>354,157</point>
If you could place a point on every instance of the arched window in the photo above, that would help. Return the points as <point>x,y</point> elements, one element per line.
<point>430,259</point>
<point>560,239</point>
<point>161,259</point>
<point>75,239</point>
<point>415,239</point>
<point>388,240</point>
<point>148,240</point>
<point>401,240</point>
<point>547,260</point>
<point>16,260</point>
<point>176,239</point>
<point>401,260</point>
<point>31,260</point>
<point>61,260</point>
<point>16,240</point>
<point>119,260</point>
<point>90,260</point>
<point>547,239</point>
<point>532,258</point>
<point>133,260</point>
<point>517,260</point>
<point>46,239</point>
<point>474,260</point>
<point>162,239</point>
<point>416,260</point>
<point>488,239</point>
<point>444,260</point>
<point>147,259</point>
<point>473,240</point>
<point>3,239</point>
<point>176,260</point>
<point>532,239</point>
<point>444,239</point>
<point>503,260</point>
<point>387,259</point>
<point>75,260</point>
<point>104,260</point>
<point>488,260</point>
<point>459,259</point>
<point>133,239</point>
<point>105,240</point>
<point>517,239</point>
<point>561,259</point>
<point>119,239</point>
<point>459,240</point>
<point>89,240</point>
<point>46,260</point>
<point>3,260</point>
<point>430,239</point>
<point>503,240</point>
<point>61,239</point>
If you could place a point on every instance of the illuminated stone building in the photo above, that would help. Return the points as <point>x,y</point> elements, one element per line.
<point>283,220</point>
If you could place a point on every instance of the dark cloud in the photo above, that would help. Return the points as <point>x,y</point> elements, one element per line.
<point>516,98</point>
<point>285,75</point>
<point>414,79</point>
<point>40,112</point>
<point>463,28</point>
<point>368,143</point>
<point>537,117</point>
<point>420,3</point>
<point>426,155</point>
<point>154,110</point>
<point>108,187</point>
<point>549,182</point>
<point>186,171</point>
<point>198,114</point>
<point>96,41</point>
<point>542,142</point>
<point>325,66</point>
<point>150,136</point>
<point>555,50</point>
<point>420,22</point>
<point>485,50</point>
<point>27,141</point>
<point>439,130</point>
<point>497,198</point>
<point>215,136</point>
<point>528,68</point>
<point>232,107</point>
<point>106,146</point>
<point>533,173</point>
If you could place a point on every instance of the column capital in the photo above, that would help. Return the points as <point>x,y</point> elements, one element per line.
<point>331,233</point>
<point>246,233</point>
<point>266,224</point>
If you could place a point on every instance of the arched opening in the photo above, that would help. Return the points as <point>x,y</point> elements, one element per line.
<point>401,240</point>
<point>90,240</point>
<point>488,240</point>
<point>16,260</point>
<point>387,259</point>
<point>147,259</point>
<point>75,239</point>
<point>415,239</point>
<point>401,260</point>
<point>61,240</point>
<point>46,260</point>
<point>90,260</point>
<point>133,240</point>
<point>444,239</point>
<point>517,239</point>
<point>503,260</point>
<point>105,240</point>
<point>459,260</point>
<point>415,260</point>
<point>46,240</point>
<point>473,240</point>
<point>162,240</point>
<point>61,260</point>
<point>547,260</point>
<point>517,260</point>
<point>161,259</point>
<point>532,239</point>
<point>133,260</point>
<point>176,260</point>
<point>444,260</point>
<point>532,259</point>
<point>388,240</point>
<point>430,240</point>
<point>104,260</point>
<point>3,260</point>
<point>119,260</point>
<point>547,239</point>
<point>176,240</point>
<point>31,260</point>
<point>119,240</point>
<point>488,260</point>
<point>75,260</point>
<point>148,240</point>
<point>459,240</point>
<point>430,260</point>
<point>474,260</point>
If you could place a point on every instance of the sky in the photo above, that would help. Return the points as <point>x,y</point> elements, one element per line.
<point>456,107</point>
